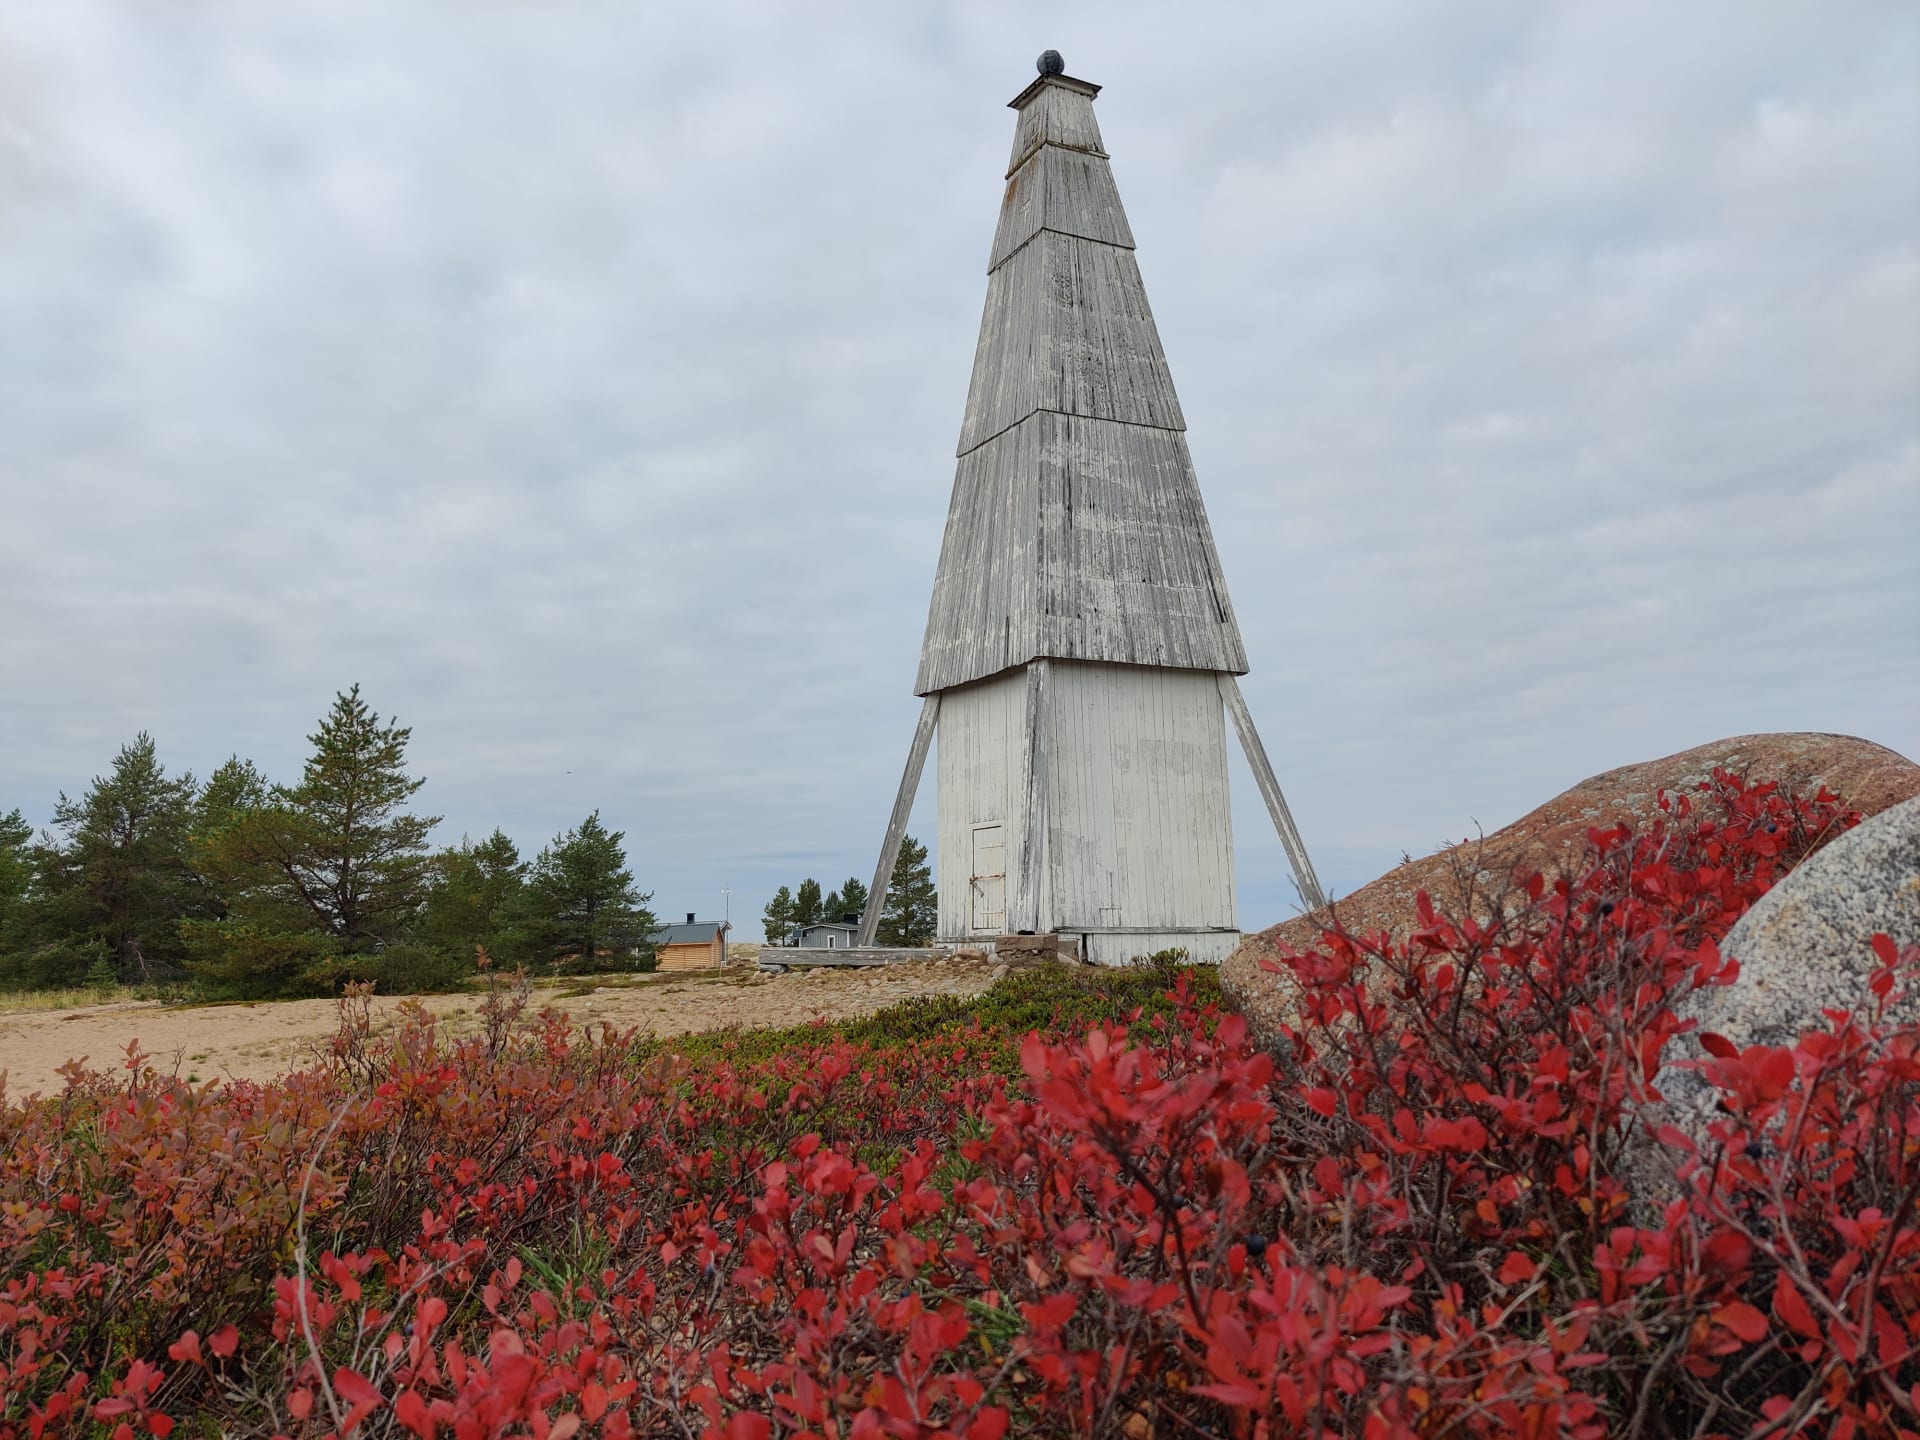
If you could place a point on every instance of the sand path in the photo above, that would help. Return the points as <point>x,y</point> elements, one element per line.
<point>261,1040</point>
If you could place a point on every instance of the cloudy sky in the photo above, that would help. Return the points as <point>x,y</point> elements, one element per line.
<point>583,380</point>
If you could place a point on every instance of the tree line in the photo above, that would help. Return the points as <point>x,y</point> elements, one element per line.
<point>244,887</point>
<point>910,916</point>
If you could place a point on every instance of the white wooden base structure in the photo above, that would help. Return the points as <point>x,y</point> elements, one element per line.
<point>1091,800</point>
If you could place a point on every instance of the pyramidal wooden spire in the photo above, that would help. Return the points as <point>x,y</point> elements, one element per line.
<point>1076,530</point>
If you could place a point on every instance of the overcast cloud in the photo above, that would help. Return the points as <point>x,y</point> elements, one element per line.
<point>584,379</point>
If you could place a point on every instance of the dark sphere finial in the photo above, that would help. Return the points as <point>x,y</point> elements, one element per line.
<point>1050,63</point>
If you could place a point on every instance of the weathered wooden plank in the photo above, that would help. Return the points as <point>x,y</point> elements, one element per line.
<point>1137,775</point>
<point>1067,327</point>
<point>1055,110</point>
<point>1070,192</point>
<point>792,957</point>
<point>1082,540</point>
<point>981,773</point>
<point>1033,833</point>
<point>1310,892</point>
<point>897,823</point>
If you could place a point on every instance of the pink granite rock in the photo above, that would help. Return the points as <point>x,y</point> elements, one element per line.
<point>1868,777</point>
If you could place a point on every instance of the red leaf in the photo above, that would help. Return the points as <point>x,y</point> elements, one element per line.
<point>187,1349</point>
<point>990,1424</point>
<point>1743,1320</point>
<point>1792,1308</point>
<point>749,1427</point>
<point>354,1387</point>
<point>1719,1046</point>
<point>1054,1310</point>
<point>160,1424</point>
<point>411,1411</point>
<point>1517,1270</point>
<point>1885,949</point>
<point>1322,1101</point>
<point>224,1341</point>
<point>1242,1394</point>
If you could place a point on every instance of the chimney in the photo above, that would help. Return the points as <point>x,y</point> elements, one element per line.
<point>689,917</point>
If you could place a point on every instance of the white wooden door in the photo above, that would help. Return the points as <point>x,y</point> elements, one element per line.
<point>988,890</point>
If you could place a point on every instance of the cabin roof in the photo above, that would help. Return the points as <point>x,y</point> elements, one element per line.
<point>1076,529</point>
<point>698,932</point>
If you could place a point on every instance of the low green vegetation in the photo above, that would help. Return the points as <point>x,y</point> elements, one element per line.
<point>1048,997</point>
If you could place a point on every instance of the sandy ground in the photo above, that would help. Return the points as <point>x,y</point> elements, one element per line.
<point>261,1040</point>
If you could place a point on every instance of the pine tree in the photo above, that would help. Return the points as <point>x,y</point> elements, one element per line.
<point>849,899</point>
<point>16,892</point>
<point>912,913</point>
<point>233,791</point>
<point>321,872</point>
<point>853,897</point>
<point>355,858</point>
<point>475,897</point>
<point>119,881</point>
<point>807,904</point>
<point>777,919</point>
<point>581,905</point>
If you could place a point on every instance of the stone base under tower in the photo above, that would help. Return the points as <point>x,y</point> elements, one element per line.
<point>1203,947</point>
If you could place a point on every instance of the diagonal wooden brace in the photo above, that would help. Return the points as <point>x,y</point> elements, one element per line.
<point>1263,776</point>
<point>897,825</point>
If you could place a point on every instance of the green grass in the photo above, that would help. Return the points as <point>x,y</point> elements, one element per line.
<point>1031,998</point>
<point>73,997</point>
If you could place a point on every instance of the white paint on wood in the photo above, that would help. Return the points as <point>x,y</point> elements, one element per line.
<point>1136,831</point>
<point>897,822</point>
<point>982,778</point>
<point>1029,904</point>
<point>987,885</point>
<point>1140,831</point>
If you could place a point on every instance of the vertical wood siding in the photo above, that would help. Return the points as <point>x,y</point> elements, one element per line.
<point>1067,327</point>
<point>1076,528</point>
<point>1066,191</point>
<point>1140,832</point>
<point>1078,539</point>
<point>1055,112</point>
<point>982,770</point>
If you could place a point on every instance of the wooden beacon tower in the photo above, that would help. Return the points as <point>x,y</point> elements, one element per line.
<point>1081,653</point>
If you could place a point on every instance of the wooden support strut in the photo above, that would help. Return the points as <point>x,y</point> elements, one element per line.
<point>1033,839</point>
<point>1263,776</point>
<point>897,825</point>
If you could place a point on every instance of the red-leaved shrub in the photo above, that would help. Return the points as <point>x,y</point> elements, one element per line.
<point>1436,1213</point>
